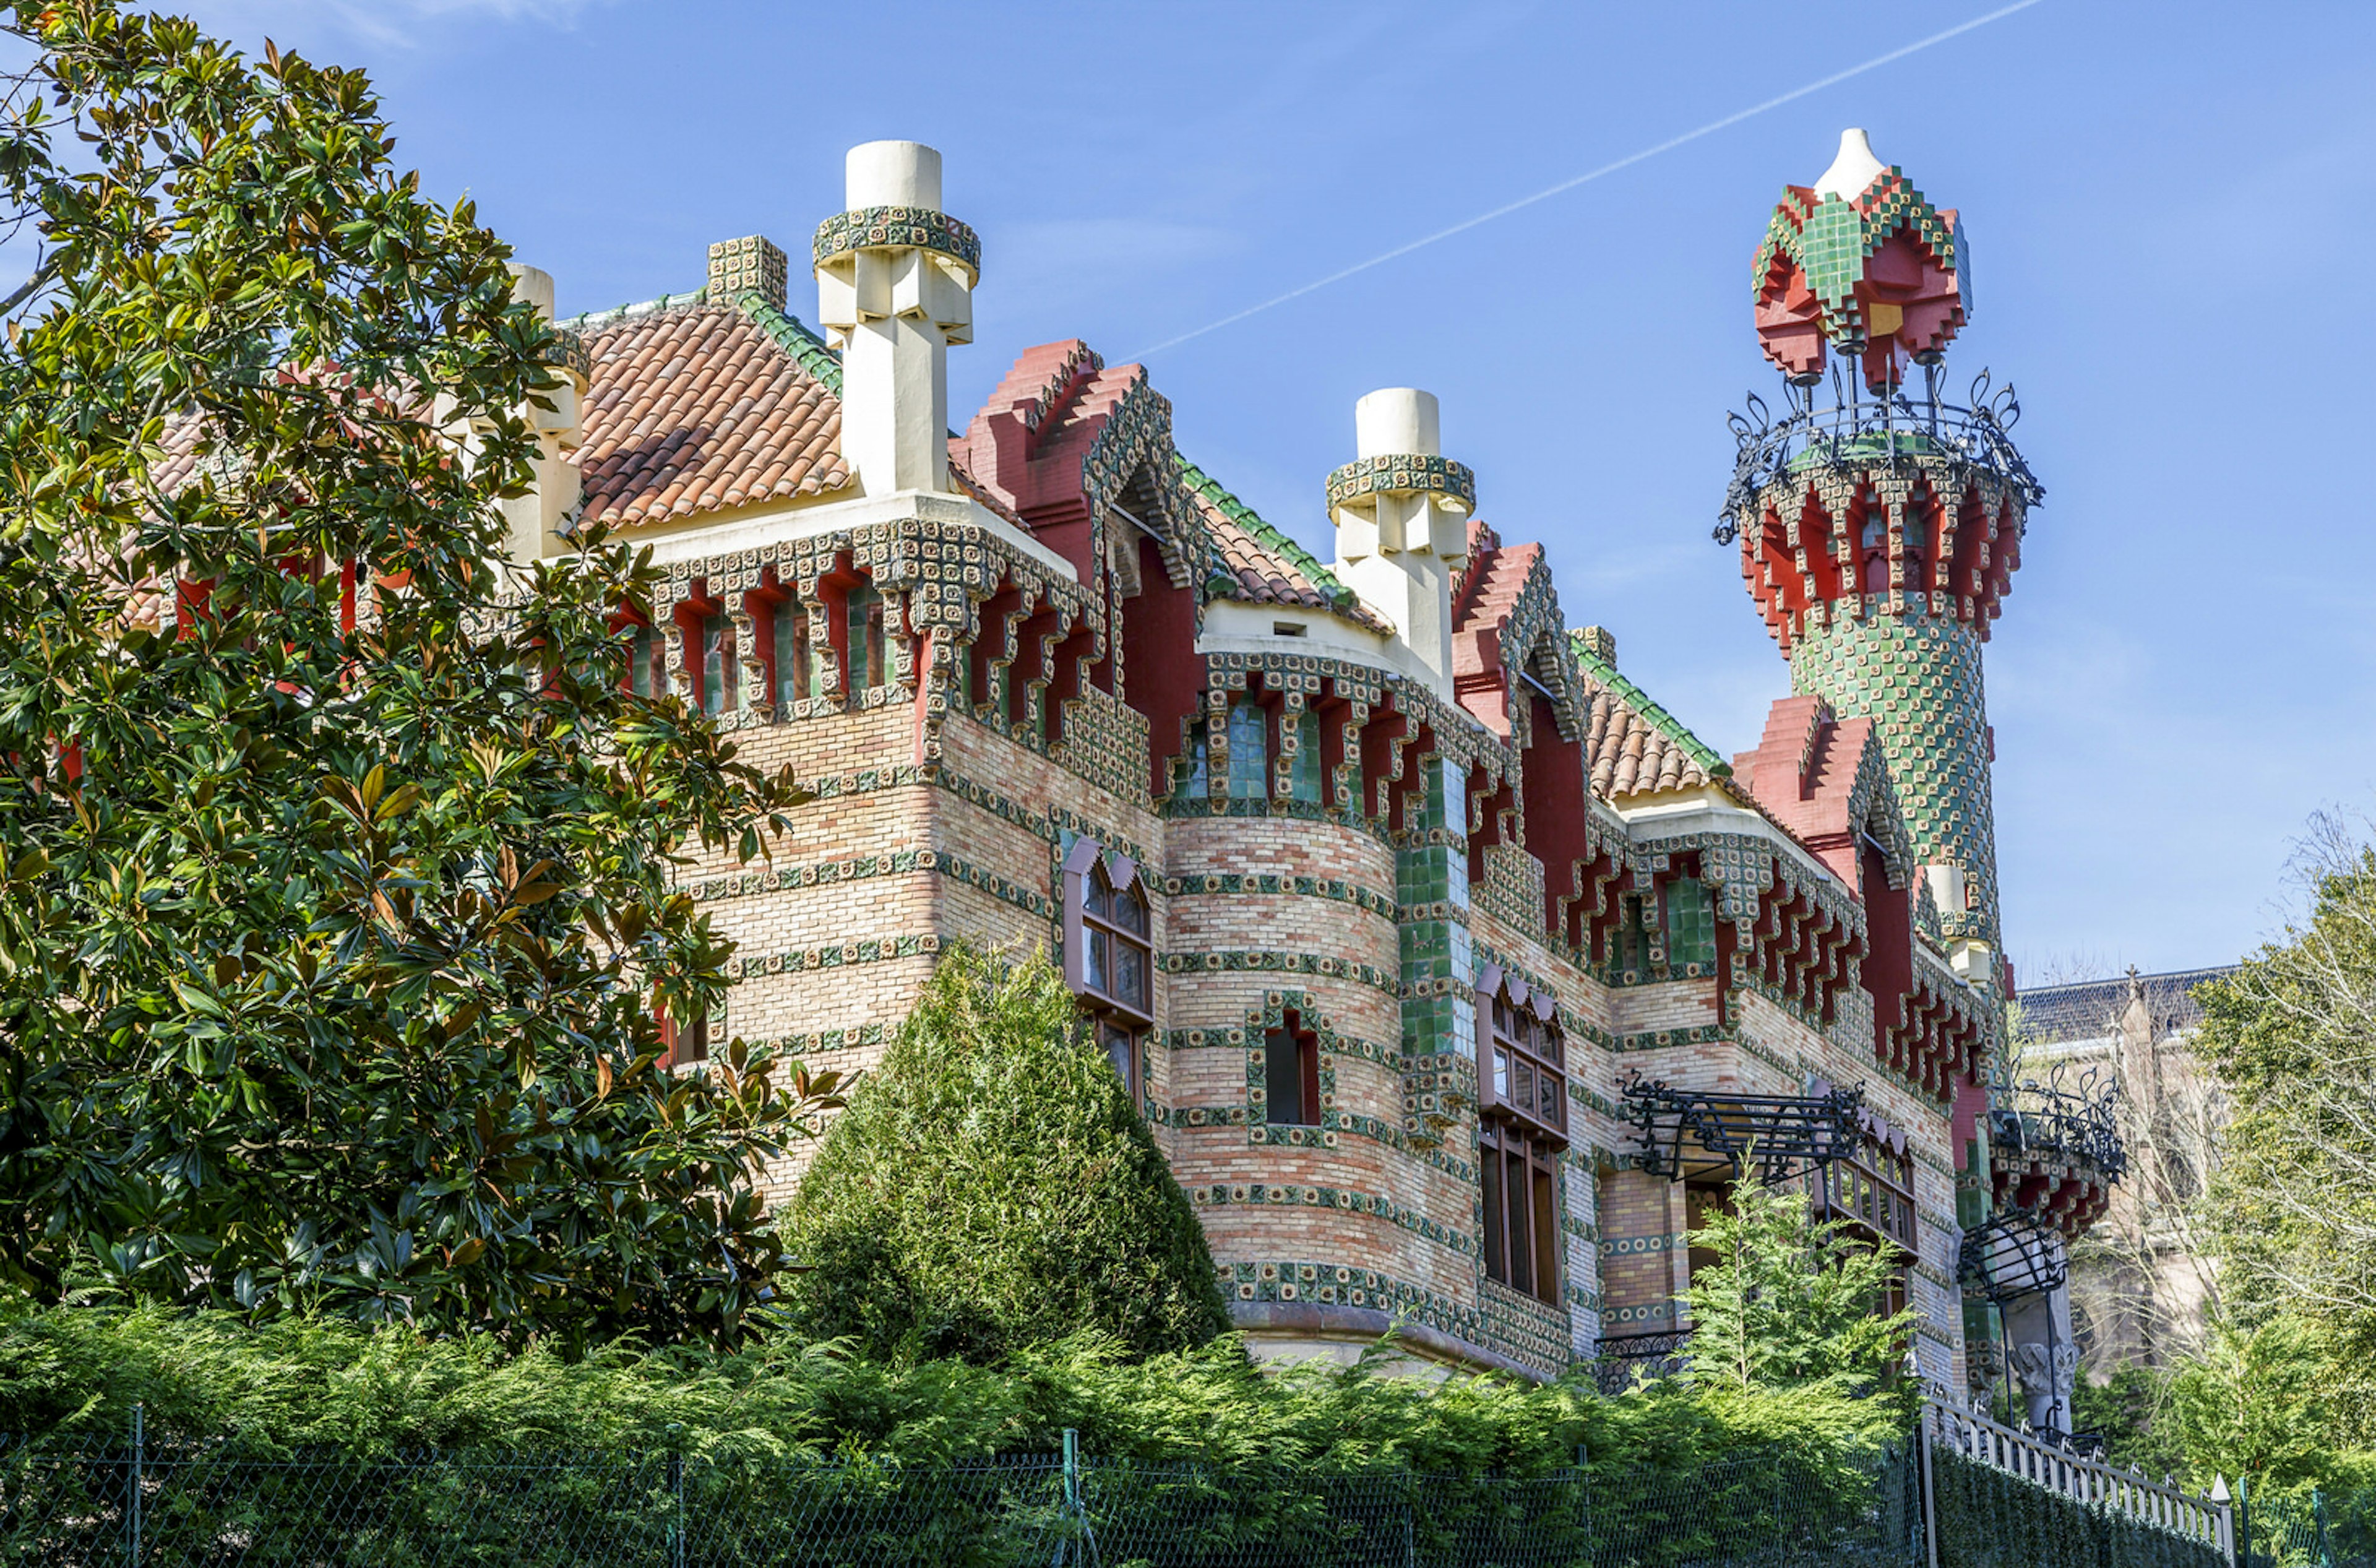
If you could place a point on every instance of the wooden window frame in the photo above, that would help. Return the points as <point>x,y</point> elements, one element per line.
<point>1088,871</point>
<point>1303,1072</point>
<point>1522,1130</point>
<point>1521,1078</point>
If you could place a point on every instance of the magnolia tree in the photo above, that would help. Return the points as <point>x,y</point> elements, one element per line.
<point>339,901</point>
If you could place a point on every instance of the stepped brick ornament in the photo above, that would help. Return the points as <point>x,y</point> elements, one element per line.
<point>1860,262</point>
<point>1401,510</point>
<point>1878,537</point>
<point>895,289</point>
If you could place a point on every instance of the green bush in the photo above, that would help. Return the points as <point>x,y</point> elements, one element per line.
<point>992,1187</point>
<point>297,1382</point>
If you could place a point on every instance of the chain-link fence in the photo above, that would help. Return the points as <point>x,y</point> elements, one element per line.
<point>2312,1531</point>
<point>121,1504</point>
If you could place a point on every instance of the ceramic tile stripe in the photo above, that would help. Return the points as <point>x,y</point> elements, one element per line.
<point>871,950</point>
<point>1289,1195</point>
<point>1339,1285</point>
<point>827,873</point>
<point>1318,965</point>
<point>1366,898</point>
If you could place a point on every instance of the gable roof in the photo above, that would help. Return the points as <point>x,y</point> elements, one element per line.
<point>1632,746</point>
<point>1259,564</point>
<point>694,408</point>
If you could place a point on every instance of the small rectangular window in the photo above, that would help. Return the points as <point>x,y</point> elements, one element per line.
<point>716,664</point>
<point>795,657</point>
<point>1291,1076</point>
<point>642,659</point>
<point>865,619</point>
<point>1249,751</point>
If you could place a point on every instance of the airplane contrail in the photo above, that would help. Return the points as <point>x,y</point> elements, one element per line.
<point>1585,179</point>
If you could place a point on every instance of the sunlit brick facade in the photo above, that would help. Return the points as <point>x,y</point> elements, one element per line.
<point>1386,820</point>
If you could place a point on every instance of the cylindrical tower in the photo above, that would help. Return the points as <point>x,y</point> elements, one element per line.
<point>1879,527</point>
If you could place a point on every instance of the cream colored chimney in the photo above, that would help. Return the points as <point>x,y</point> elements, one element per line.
<point>1401,510</point>
<point>533,518</point>
<point>895,289</point>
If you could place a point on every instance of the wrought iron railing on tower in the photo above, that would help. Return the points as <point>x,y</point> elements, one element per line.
<point>1874,430</point>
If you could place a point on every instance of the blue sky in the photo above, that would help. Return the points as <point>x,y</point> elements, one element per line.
<point>2168,208</point>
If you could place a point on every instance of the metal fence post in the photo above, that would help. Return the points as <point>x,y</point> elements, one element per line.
<point>132,1503</point>
<point>676,1494</point>
<point>1926,1479</point>
<point>2243,1523</point>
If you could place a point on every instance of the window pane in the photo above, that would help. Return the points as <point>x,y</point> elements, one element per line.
<point>791,623</point>
<point>1496,1244</point>
<point>1249,752</point>
<point>1515,1190</point>
<point>1094,973</point>
<point>1501,1074</point>
<point>1546,1283</point>
<point>643,654</point>
<point>1307,758</point>
<point>1195,779</point>
<point>1130,911</point>
<point>1282,1080</point>
<point>715,663</point>
<point>1130,973</point>
<point>1121,1050</point>
<point>1093,898</point>
<point>862,608</point>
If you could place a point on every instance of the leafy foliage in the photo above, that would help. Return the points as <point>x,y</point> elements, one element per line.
<point>992,1187</point>
<point>296,1382</point>
<point>1791,1304</point>
<point>337,904</point>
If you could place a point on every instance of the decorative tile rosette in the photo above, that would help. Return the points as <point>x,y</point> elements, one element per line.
<point>1402,473</point>
<point>569,352</point>
<point>878,228</point>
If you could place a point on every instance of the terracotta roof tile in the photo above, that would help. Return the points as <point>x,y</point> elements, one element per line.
<point>1632,746</point>
<point>1261,566</point>
<point>694,407</point>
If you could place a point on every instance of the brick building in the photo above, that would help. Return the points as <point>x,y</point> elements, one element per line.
<point>1379,881</point>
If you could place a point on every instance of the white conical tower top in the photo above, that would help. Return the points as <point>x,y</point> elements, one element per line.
<point>1853,170</point>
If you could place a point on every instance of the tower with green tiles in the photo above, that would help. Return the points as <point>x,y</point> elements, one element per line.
<point>1879,525</point>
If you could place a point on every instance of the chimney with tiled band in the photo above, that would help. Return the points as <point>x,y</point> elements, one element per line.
<point>535,519</point>
<point>1401,510</point>
<point>895,289</point>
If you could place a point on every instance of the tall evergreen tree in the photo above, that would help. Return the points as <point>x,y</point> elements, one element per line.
<point>992,1188</point>
<point>337,896</point>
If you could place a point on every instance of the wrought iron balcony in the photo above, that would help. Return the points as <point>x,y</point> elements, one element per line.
<point>1864,431</point>
<point>1622,1358</point>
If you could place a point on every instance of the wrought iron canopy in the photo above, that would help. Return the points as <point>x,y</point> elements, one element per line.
<point>2071,1117</point>
<point>2016,1254</point>
<point>1688,1133</point>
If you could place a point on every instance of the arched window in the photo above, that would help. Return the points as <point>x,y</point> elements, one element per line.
<point>1522,1127</point>
<point>1109,952</point>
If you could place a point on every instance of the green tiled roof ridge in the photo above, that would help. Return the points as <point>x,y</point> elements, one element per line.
<point>1246,517</point>
<point>588,321</point>
<point>795,338</point>
<point>1652,714</point>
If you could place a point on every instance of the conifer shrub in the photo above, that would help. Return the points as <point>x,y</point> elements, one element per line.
<point>992,1188</point>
